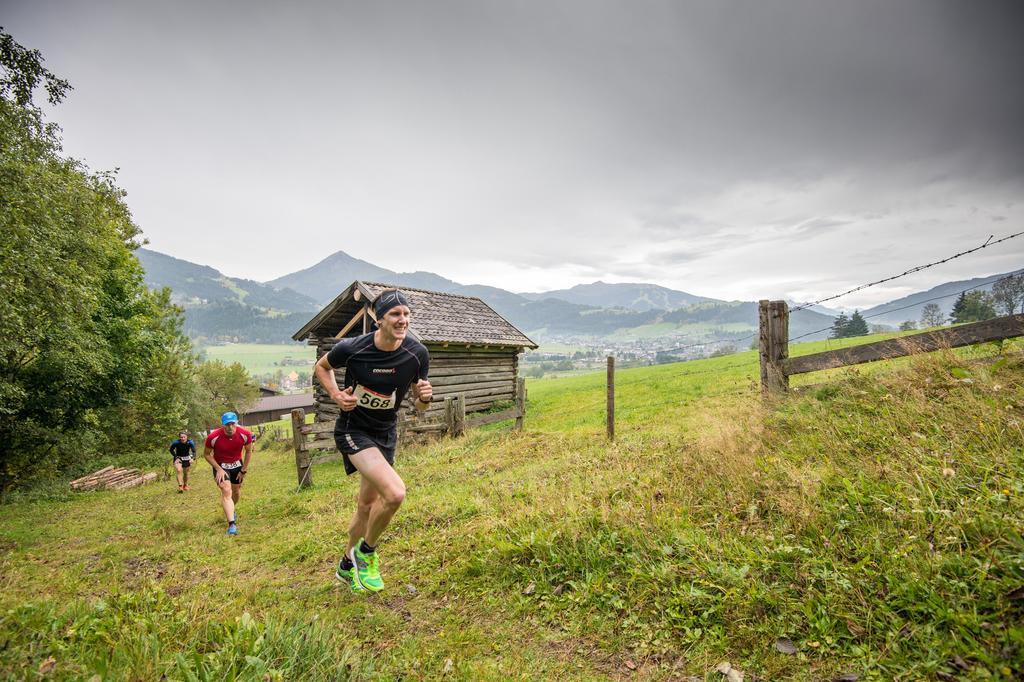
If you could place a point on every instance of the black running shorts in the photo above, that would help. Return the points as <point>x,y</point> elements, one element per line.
<point>186,462</point>
<point>233,470</point>
<point>351,442</point>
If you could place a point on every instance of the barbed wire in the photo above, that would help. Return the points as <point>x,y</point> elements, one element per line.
<point>919,268</point>
<point>912,305</point>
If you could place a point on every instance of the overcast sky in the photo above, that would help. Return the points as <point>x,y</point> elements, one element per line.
<point>738,150</point>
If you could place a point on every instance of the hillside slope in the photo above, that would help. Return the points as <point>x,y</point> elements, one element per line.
<point>870,526</point>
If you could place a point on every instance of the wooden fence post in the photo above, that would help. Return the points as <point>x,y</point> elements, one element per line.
<point>302,465</point>
<point>460,414</point>
<point>611,398</point>
<point>449,415</point>
<point>520,402</point>
<point>774,345</point>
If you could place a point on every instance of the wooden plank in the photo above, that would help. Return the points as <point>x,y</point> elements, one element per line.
<point>487,400</point>
<point>481,419</point>
<point>320,444</point>
<point>319,427</point>
<point>996,329</point>
<point>351,323</point>
<point>460,350</point>
<point>504,389</point>
<point>445,389</point>
<point>453,373</point>
<point>92,475</point>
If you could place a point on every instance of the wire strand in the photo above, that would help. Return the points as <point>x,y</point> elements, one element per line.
<point>919,268</point>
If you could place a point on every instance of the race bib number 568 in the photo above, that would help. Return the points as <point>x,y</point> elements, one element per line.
<point>373,400</point>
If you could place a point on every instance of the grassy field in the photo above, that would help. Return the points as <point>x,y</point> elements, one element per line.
<point>263,358</point>
<point>869,526</point>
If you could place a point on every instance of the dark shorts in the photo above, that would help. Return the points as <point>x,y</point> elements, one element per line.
<point>234,473</point>
<point>351,442</point>
<point>186,462</point>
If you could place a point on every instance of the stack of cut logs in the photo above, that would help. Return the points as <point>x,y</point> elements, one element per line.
<point>112,478</point>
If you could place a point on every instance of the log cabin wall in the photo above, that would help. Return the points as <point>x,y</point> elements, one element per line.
<point>484,375</point>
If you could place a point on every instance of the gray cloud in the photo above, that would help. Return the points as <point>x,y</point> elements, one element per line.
<point>766,147</point>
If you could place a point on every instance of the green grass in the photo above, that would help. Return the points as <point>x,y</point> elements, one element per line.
<point>263,358</point>
<point>875,521</point>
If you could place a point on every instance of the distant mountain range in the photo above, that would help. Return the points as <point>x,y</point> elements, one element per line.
<point>221,308</point>
<point>638,297</point>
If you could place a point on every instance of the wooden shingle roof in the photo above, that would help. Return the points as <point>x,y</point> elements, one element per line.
<point>437,317</point>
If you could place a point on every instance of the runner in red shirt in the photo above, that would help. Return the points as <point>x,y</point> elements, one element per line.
<point>224,453</point>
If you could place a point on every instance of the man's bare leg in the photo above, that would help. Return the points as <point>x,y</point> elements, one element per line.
<point>226,501</point>
<point>178,473</point>
<point>236,492</point>
<point>365,499</point>
<point>389,487</point>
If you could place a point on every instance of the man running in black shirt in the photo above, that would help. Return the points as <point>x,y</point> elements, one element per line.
<point>183,452</point>
<point>380,367</point>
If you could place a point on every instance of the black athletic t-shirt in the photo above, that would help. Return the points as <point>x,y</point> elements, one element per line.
<point>180,450</point>
<point>380,379</point>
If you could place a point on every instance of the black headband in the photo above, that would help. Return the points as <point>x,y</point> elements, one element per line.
<point>388,300</point>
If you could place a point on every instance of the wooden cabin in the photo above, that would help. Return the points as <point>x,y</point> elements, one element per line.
<point>474,351</point>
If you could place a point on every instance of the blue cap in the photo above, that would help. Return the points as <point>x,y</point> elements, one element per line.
<point>228,418</point>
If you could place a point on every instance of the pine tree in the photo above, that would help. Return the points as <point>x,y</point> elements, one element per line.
<point>839,326</point>
<point>857,325</point>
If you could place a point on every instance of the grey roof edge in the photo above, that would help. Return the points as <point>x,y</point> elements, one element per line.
<point>331,307</point>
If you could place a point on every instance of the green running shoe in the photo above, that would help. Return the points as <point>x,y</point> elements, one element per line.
<point>366,572</point>
<point>347,576</point>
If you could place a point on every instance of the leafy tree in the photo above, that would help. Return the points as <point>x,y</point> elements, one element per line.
<point>1008,294</point>
<point>221,387</point>
<point>81,333</point>
<point>973,306</point>
<point>932,316</point>
<point>908,325</point>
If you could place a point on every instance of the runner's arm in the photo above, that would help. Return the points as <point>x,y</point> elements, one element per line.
<point>208,454</point>
<point>248,454</point>
<point>422,388</point>
<point>325,375</point>
<point>424,392</point>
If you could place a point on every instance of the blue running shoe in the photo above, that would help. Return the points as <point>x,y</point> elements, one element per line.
<point>232,529</point>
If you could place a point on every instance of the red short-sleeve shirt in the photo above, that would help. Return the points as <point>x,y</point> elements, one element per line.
<point>228,449</point>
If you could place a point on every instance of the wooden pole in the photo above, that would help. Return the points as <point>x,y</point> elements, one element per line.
<point>460,414</point>
<point>303,470</point>
<point>611,398</point>
<point>449,415</point>
<point>520,402</point>
<point>773,342</point>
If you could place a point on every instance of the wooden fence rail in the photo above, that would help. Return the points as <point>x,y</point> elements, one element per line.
<point>777,366</point>
<point>307,438</point>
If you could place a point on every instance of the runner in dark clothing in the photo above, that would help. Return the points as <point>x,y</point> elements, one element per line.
<point>183,451</point>
<point>380,368</point>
